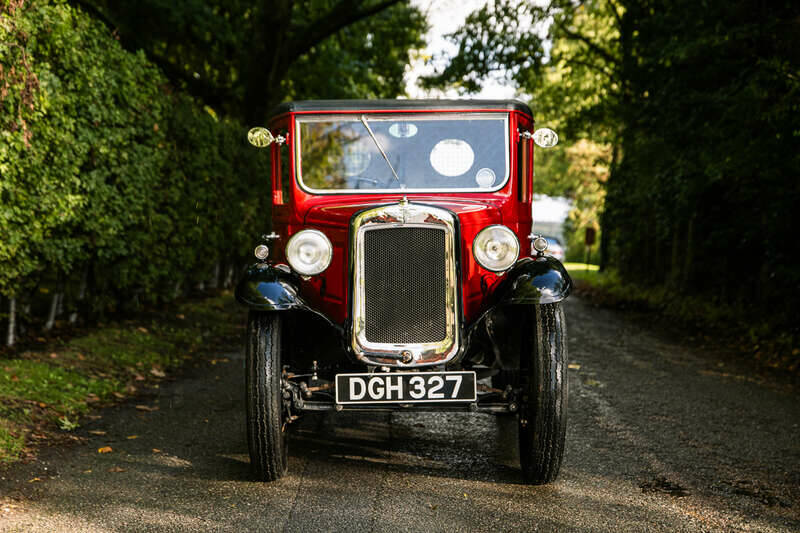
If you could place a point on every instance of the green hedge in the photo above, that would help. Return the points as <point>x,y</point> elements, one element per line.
<point>109,175</point>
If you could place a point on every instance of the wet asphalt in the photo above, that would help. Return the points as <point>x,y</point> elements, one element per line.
<point>662,436</point>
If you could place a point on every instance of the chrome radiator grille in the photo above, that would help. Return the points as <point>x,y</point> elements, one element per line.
<point>405,285</point>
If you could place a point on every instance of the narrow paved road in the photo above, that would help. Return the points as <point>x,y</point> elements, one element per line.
<point>661,438</point>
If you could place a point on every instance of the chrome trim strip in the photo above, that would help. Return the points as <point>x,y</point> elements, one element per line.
<point>480,115</point>
<point>404,215</point>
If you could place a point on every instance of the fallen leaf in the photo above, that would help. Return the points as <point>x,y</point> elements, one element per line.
<point>138,377</point>
<point>143,330</point>
<point>41,339</point>
<point>117,469</point>
<point>574,366</point>
<point>592,382</point>
<point>156,450</point>
<point>97,432</point>
<point>81,357</point>
<point>14,378</point>
<point>87,471</point>
<point>105,449</point>
<point>157,372</point>
<point>118,395</point>
<point>146,408</point>
<point>131,437</point>
<point>34,480</point>
<point>42,404</point>
<point>182,317</point>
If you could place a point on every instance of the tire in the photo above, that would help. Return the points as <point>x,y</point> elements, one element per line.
<point>266,431</point>
<point>543,403</point>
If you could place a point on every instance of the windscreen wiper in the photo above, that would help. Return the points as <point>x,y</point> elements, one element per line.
<point>375,140</point>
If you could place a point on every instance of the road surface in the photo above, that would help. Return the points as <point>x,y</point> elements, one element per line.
<point>662,436</point>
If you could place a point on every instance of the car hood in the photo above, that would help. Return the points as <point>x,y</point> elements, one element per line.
<point>469,212</point>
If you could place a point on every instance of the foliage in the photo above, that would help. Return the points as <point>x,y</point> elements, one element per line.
<point>243,57</point>
<point>704,199</point>
<point>364,60</point>
<point>692,106</point>
<point>574,88</point>
<point>114,176</point>
<point>490,43</point>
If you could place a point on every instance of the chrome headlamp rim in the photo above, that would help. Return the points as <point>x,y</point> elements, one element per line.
<point>476,255</point>
<point>321,268</point>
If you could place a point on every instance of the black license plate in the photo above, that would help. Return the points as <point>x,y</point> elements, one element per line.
<point>406,387</point>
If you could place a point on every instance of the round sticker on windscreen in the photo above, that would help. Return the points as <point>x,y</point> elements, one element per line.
<point>402,130</point>
<point>452,157</point>
<point>485,178</point>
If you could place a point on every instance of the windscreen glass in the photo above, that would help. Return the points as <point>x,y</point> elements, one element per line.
<point>465,152</point>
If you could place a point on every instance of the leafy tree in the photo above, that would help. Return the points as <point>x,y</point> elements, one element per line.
<point>697,102</point>
<point>102,175</point>
<point>243,57</point>
<point>575,88</point>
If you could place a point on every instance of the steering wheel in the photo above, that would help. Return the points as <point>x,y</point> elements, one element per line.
<point>360,179</point>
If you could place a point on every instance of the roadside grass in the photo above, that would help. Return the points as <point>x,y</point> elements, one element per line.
<point>765,341</point>
<point>45,392</point>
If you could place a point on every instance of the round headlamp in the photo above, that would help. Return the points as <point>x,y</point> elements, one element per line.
<point>496,248</point>
<point>309,252</point>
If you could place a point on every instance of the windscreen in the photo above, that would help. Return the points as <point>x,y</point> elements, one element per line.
<point>464,152</point>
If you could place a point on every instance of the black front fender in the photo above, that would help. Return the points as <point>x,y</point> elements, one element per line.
<point>542,280</point>
<point>266,288</point>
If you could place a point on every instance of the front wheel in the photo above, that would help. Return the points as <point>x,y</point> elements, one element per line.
<point>543,405</point>
<point>266,428</point>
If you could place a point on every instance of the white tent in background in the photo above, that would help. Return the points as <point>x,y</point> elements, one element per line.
<point>549,215</point>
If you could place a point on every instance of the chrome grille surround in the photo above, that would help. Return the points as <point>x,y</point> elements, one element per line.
<point>404,215</point>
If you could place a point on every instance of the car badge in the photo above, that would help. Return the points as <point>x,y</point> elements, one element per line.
<point>404,208</point>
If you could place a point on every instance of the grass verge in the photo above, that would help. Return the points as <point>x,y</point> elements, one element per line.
<point>767,342</point>
<point>45,392</point>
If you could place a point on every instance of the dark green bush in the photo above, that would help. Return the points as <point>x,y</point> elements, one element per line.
<point>106,173</point>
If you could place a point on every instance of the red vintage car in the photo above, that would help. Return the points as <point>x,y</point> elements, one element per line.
<point>401,273</point>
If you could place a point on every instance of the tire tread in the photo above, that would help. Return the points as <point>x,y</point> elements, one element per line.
<point>542,440</point>
<point>266,437</point>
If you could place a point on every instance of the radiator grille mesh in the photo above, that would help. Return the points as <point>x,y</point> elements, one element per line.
<point>405,285</point>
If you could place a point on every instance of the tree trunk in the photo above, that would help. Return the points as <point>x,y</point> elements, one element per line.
<point>229,277</point>
<point>213,283</point>
<point>12,321</point>
<point>51,316</point>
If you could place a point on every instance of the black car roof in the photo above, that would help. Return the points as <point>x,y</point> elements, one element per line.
<point>327,106</point>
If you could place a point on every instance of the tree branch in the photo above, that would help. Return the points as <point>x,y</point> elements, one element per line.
<point>605,54</point>
<point>212,95</point>
<point>341,16</point>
